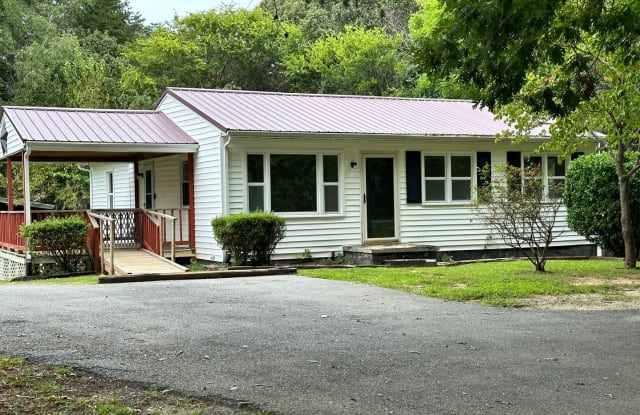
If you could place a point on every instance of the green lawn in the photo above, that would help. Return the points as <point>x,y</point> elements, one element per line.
<point>495,283</point>
<point>84,279</point>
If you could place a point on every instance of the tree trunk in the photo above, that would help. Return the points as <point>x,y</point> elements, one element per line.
<point>630,253</point>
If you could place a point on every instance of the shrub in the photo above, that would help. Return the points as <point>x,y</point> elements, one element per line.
<point>592,198</point>
<point>518,210</point>
<point>62,238</point>
<point>250,237</point>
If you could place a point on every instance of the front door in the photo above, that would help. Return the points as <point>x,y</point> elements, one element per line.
<point>379,198</point>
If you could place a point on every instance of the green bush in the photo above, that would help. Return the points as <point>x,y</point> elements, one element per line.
<point>62,238</point>
<point>250,237</point>
<point>593,201</point>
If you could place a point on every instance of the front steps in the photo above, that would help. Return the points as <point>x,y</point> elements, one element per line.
<point>393,254</point>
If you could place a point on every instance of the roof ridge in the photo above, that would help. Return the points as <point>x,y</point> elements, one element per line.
<point>311,95</point>
<point>72,109</point>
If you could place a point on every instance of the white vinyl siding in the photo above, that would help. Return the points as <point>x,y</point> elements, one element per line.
<point>208,192</point>
<point>323,233</point>
<point>14,143</point>
<point>123,185</point>
<point>454,226</point>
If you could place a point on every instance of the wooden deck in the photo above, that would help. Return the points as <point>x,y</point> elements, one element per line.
<point>141,261</point>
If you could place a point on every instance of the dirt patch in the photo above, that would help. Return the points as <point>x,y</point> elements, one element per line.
<point>627,299</point>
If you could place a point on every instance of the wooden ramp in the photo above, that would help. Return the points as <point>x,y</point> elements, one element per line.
<point>141,261</point>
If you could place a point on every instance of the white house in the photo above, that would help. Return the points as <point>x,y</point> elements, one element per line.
<point>342,170</point>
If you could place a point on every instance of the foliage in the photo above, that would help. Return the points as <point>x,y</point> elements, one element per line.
<point>234,49</point>
<point>520,211</point>
<point>321,18</point>
<point>250,237</point>
<point>506,284</point>
<point>593,201</point>
<point>358,61</point>
<point>573,62</point>
<point>62,238</point>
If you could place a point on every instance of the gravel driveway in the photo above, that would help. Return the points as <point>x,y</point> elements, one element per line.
<point>296,345</point>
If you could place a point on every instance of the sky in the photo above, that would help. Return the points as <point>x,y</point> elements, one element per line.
<point>158,11</point>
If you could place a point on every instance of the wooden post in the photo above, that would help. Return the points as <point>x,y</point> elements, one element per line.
<point>173,240</point>
<point>112,229</point>
<point>101,231</point>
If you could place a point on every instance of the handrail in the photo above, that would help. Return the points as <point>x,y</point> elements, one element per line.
<point>161,218</point>
<point>101,221</point>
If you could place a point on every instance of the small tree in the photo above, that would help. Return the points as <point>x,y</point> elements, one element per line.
<point>63,239</point>
<point>521,212</point>
<point>250,237</point>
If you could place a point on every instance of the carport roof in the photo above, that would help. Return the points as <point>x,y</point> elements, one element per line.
<point>99,126</point>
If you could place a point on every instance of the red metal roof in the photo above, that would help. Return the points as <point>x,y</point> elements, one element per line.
<point>305,113</point>
<point>72,125</point>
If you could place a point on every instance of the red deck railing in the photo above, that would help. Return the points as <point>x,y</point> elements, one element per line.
<point>151,229</point>
<point>9,228</point>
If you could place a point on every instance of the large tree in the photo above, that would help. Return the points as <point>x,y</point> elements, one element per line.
<point>358,61</point>
<point>574,61</point>
<point>228,49</point>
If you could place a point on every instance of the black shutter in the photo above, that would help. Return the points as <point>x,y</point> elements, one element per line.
<point>513,159</point>
<point>483,158</point>
<point>576,155</point>
<point>414,177</point>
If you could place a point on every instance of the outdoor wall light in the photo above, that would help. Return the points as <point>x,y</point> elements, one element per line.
<point>354,164</point>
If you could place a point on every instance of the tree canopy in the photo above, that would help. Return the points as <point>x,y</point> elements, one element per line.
<point>574,62</point>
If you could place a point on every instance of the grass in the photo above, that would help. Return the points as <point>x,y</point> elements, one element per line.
<point>504,284</point>
<point>29,388</point>
<point>83,279</point>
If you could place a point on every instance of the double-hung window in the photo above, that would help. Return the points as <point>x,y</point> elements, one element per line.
<point>447,178</point>
<point>550,170</point>
<point>293,183</point>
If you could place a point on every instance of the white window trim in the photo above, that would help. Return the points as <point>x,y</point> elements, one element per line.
<point>110,189</point>
<point>320,184</point>
<point>448,179</point>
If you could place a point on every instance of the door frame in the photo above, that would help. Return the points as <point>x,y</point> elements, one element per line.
<point>148,166</point>
<point>364,196</point>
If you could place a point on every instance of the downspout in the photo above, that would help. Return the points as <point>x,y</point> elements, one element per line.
<point>225,176</point>
<point>88,170</point>
<point>224,168</point>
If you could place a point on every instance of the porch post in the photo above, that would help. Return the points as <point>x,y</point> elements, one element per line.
<point>26,188</point>
<point>192,204</point>
<point>9,185</point>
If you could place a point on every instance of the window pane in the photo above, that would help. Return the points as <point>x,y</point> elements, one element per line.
<point>256,198</point>
<point>330,169</point>
<point>331,198</point>
<point>555,167</point>
<point>434,190</point>
<point>255,168</point>
<point>556,188</point>
<point>461,190</point>
<point>460,166</point>
<point>293,183</point>
<point>185,193</point>
<point>533,162</point>
<point>434,166</point>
